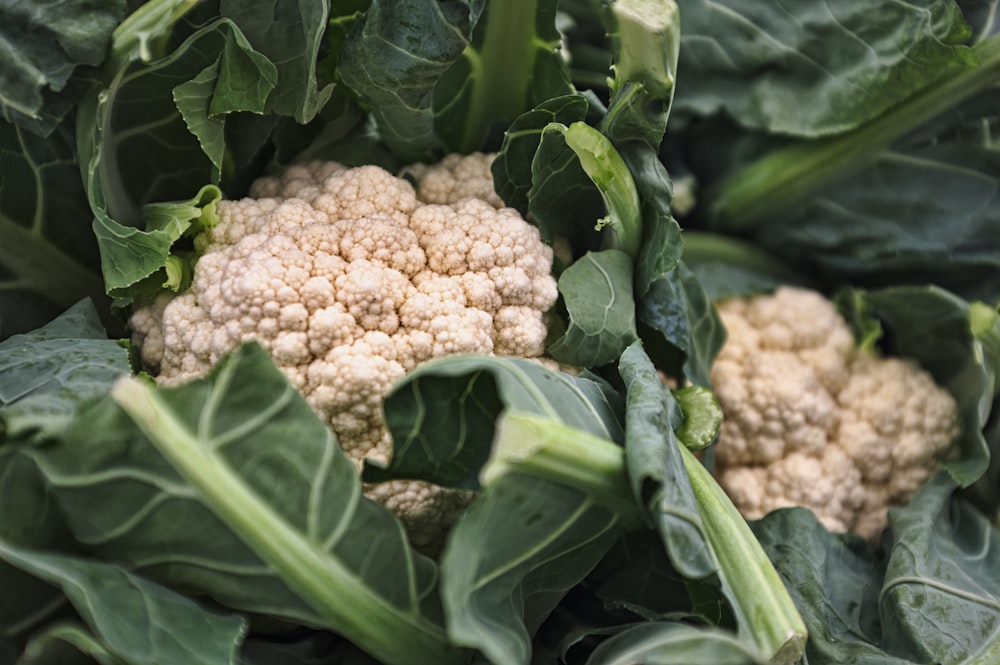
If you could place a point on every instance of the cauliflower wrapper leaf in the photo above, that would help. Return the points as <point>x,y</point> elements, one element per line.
<point>812,420</point>
<point>350,280</point>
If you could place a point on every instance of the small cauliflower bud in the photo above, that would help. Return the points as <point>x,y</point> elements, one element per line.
<point>422,507</point>
<point>813,421</point>
<point>455,178</point>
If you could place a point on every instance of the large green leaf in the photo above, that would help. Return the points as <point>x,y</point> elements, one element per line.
<point>393,58</point>
<point>656,470</point>
<point>232,487</point>
<point>300,28</point>
<point>925,213</point>
<point>597,293</point>
<point>48,374</point>
<point>137,620</point>
<point>835,581</point>
<point>812,68</point>
<point>933,598</point>
<point>48,257</point>
<point>51,50</point>
<point>941,598</point>
<point>512,557</point>
<point>680,326</point>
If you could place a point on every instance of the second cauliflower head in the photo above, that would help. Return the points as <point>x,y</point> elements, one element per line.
<point>350,280</point>
<point>811,420</point>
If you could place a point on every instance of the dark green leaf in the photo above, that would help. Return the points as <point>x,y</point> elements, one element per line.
<point>288,34</point>
<point>393,58</point>
<point>128,165</point>
<point>835,581</point>
<point>941,598</point>
<point>136,619</point>
<point>51,50</point>
<point>656,470</point>
<point>680,326</point>
<point>48,257</point>
<point>513,555</point>
<point>512,172</point>
<point>597,293</point>
<point>48,374</point>
<point>812,68</point>
<point>926,214</point>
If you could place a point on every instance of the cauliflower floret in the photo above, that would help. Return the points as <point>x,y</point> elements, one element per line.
<point>350,281</point>
<point>811,420</point>
<point>456,177</point>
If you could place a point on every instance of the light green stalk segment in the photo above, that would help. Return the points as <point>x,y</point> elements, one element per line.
<point>368,620</point>
<point>760,599</point>
<point>608,171</point>
<point>648,41</point>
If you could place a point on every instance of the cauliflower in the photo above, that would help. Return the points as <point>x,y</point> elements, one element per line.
<point>813,421</point>
<point>350,280</point>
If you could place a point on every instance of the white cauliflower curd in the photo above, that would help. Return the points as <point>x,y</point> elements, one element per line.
<point>350,280</point>
<point>813,421</point>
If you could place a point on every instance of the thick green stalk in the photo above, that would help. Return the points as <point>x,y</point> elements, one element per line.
<point>788,176</point>
<point>331,589</point>
<point>761,601</point>
<point>502,68</point>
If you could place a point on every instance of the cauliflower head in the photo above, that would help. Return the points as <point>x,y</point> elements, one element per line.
<point>813,421</point>
<point>349,280</point>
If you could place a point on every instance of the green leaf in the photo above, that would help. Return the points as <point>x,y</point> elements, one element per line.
<point>137,620</point>
<point>442,415</point>
<point>47,375</point>
<point>300,26</point>
<point>954,342</point>
<point>930,211</point>
<point>671,643</point>
<point>680,327</point>
<point>941,598</point>
<point>51,51</point>
<point>597,293</point>
<point>513,555</point>
<point>393,58</point>
<point>129,122</point>
<point>137,264</point>
<point>512,168</point>
<point>835,582</point>
<point>231,487</point>
<point>511,65</point>
<point>656,469</point>
<point>812,68</point>
<point>48,257</point>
